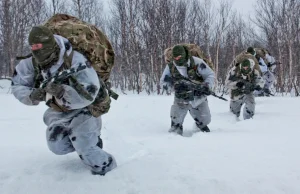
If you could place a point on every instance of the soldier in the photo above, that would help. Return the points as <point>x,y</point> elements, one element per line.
<point>185,70</point>
<point>70,125</point>
<point>242,80</point>
<point>267,66</point>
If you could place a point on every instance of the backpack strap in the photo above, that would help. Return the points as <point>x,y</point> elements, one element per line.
<point>24,57</point>
<point>171,68</point>
<point>38,77</point>
<point>192,64</point>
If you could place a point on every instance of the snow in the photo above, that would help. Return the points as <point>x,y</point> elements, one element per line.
<point>255,156</point>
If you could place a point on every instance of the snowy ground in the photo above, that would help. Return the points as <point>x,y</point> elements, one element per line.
<point>256,156</point>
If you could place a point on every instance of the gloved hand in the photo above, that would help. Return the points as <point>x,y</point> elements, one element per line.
<point>267,91</point>
<point>206,89</point>
<point>249,87</point>
<point>165,87</point>
<point>38,94</point>
<point>240,84</point>
<point>257,87</point>
<point>57,90</point>
<point>270,64</point>
<point>182,86</point>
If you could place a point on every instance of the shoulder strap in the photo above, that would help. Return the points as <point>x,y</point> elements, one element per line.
<point>171,67</point>
<point>23,57</point>
<point>38,78</point>
<point>192,64</point>
<point>68,60</point>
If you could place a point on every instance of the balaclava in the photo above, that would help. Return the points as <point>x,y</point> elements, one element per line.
<point>245,67</point>
<point>177,51</point>
<point>43,46</point>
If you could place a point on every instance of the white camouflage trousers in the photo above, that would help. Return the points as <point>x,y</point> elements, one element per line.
<point>179,109</point>
<point>78,131</point>
<point>269,79</point>
<point>249,108</point>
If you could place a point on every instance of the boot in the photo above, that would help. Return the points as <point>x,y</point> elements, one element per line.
<point>203,129</point>
<point>176,128</point>
<point>106,167</point>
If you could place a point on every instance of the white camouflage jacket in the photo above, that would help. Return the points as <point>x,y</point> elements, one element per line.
<point>203,70</point>
<point>230,82</point>
<point>23,79</point>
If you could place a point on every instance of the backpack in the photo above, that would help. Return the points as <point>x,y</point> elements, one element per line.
<point>193,50</point>
<point>241,57</point>
<point>95,46</point>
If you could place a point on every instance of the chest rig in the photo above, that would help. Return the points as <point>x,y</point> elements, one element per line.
<point>192,73</point>
<point>238,76</point>
<point>38,78</point>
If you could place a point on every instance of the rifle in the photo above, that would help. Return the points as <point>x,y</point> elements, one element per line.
<point>111,93</point>
<point>63,75</point>
<point>267,91</point>
<point>250,86</point>
<point>197,89</point>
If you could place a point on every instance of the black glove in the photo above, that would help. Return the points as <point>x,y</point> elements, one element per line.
<point>182,86</point>
<point>240,84</point>
<point>267,91</point>
<point>257,87</point>
<point>249,87</point>
<point>270,64</point>
<point>206,89</point>
<point>168,79</point>
<point>38,94</point>
<point>56,90</point>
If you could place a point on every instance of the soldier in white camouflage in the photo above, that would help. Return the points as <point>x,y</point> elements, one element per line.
<point>242,80</point>
<point>183,70</point>
<point>267,66</point>
<point>70,124</point>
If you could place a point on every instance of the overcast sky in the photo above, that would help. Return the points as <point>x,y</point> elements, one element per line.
<point>245,7</point>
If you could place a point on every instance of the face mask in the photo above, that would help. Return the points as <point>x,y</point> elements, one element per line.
<point>43,45</point>
<point>245,67</point>
<point>180,60</point>
<point>179,55</point>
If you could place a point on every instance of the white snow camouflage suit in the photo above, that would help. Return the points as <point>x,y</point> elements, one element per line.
<point>198,108</point>
<point>76,130</point>
<point>238,98</point>
<point>268,73</point>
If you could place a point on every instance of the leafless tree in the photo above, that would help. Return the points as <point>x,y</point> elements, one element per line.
<point>18,16</point>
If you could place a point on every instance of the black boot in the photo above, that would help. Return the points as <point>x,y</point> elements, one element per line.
<point>100,143</point>
<point>203,129</point>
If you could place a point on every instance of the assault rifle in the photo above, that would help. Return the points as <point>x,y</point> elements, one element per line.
<point>194,89</point>
<point>249,86</point>
<point>68,74</point>
<point>62,76</point>
<point>111,93</point>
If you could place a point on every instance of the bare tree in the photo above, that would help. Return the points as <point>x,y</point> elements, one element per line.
<point>18,16</point>
<point>223,21</point>
<point>58,6</point>
<point>87,10</point>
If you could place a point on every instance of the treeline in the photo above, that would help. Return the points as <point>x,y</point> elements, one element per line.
<point>140,31</point>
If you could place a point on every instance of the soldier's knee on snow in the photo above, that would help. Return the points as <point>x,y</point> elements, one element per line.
<point>57,150</point>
